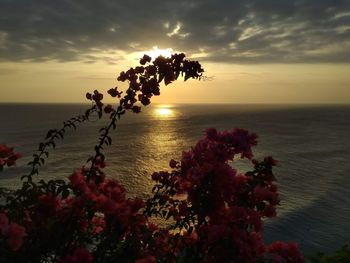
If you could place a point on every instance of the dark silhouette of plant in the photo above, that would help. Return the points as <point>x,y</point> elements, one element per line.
<point>216,212</point>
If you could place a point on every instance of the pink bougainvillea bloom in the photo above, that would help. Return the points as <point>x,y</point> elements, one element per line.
<point>98,223</point>
<point>4,223</point>
<point>7,156</point>
<point>144,100</point>
<point>147,259</point>
<point>151,70</point>
<point>15,234</point>
<point>270,161</point>
<point>97,96</point>
<point>114,92</point>
<point>136,109</point>
<point>145,59</point>
<point>13,158</point>
<point>173,163</point>
<point>100,163</point>
<point>289,252</point>
<point>108,109</point>
<point>77,179</point>
<point>49,203</point>
<point>139,70</point>
<point>89,96</point>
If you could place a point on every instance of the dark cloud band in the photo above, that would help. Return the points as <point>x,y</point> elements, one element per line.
<point>252,31</point>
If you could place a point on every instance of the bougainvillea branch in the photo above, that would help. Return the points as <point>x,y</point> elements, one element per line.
<point>144,83</point>
<point>51,137</point>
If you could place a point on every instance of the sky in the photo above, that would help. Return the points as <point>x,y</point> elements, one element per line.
<point>253,51</point>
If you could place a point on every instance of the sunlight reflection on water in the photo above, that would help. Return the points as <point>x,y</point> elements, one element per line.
<point>311,143</point>
<point>164,112</point>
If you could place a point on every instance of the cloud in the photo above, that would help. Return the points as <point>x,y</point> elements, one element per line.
<point>252,31</point>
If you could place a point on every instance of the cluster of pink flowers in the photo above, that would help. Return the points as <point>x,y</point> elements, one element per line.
<point>12,232</point>
<point>216,212</point>
<point>223,208</point>
<point>7,156</point>
<point>108,199</point>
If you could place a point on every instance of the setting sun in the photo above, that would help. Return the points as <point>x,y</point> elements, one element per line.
<point>156,52</point>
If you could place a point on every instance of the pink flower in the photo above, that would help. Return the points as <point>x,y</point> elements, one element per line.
<point>145,59</point>
<point>211,133</point>
<point>97,96</point>
<point>136,109</point>
<point>98,223</point>
<point>147,259</point>
<point>289,252</point>
<point>4,223</point>
<point>7,156</point>
<point>144,100</point>
<point>89,96</point>
<point>15,234</point>
<point>139,70</point>
<point>49,203</point>
<point>99,163</point>
<point>77,179</point>
<point>114,92</point>
<point>269,160</point>
<point>173,163</point>
<point>151,70</point>
<point>122,76</point>
<point>108,109</point>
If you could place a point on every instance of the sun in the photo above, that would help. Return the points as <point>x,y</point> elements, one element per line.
<point>153,53</point>
<point>156,52</point>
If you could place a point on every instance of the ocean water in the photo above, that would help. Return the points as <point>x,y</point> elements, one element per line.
<point>311,142</point>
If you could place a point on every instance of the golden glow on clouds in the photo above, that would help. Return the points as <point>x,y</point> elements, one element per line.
<point>153,53</point>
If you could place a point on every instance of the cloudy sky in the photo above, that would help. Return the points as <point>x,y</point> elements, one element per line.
<point>254,51</point>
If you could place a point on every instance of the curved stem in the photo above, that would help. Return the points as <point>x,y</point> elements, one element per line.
<point>104,139</point>
<point>52,135</point>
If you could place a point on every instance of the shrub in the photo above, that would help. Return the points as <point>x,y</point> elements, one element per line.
<point>215,212</point>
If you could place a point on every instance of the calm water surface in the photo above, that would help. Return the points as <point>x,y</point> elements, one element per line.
<point>311,142</point>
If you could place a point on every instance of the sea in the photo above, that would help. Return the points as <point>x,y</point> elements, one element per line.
<point>311,143</point>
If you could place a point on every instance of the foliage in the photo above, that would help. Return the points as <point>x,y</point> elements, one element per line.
<point>340,256</point>
<point>215,212</point>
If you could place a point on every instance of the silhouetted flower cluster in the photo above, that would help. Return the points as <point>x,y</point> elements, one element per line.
<point>12,232</point>
<point>144,83</point>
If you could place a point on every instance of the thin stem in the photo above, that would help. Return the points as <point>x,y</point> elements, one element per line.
<point>103,139</point>
<point>52,135</point>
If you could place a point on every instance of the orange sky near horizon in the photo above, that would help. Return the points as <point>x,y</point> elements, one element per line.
<point>67,82</point>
